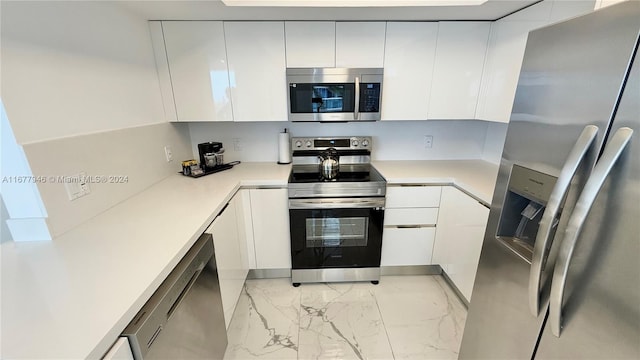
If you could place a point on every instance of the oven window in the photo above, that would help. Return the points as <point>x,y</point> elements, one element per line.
<point>337,232</point>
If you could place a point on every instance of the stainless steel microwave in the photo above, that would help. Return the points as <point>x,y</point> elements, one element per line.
<point>334,94</point>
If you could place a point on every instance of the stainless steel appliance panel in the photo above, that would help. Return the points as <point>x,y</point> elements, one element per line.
<point>601,303</point>
<point>360,92</point>
<point>184,318</point>
<point>571,76</point>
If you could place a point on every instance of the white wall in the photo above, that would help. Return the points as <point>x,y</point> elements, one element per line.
<point>393,140</point>
<point>494,142</point>
<point>81,92</point>
<point>76,67</point>
<point>137,153</point>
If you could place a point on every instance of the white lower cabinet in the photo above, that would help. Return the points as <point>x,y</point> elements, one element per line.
<point>271,238</point>
<point>407,246</point>
<point>232,263</point>
<point>410,216</point>
<point>461,224</point>
<point>121,350</point>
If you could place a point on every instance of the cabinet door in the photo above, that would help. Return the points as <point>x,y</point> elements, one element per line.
<point>502,68</point>
<point>162,67</point>
<point>270,213</point>
<point>310,43</point>
<point>245,220</point>
<point>228,259</point>
<point>407,246</point>
<point>198,66</point>
<point>461,225</point>
<point>360,44</point>
<point>409,56</point>
<point>121,350</point>
<point>257,70</point>
<point>457,71</point>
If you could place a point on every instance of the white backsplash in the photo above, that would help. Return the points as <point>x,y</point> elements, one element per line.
<point>136,153</point>
<point>392,140</point>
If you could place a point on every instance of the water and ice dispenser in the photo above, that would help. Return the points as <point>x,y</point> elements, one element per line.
<point>527,195</point>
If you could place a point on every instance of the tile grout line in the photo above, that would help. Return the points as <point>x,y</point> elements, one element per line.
<point>383,324</point>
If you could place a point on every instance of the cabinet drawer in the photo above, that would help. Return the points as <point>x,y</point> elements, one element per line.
<point>413,196</point>
<point>411,216</point>
<point>412,246</point>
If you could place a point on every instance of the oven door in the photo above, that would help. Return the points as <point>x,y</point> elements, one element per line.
<point>336,233</point>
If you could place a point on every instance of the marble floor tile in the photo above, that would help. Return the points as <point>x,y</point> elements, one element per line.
<point>266,321</point>
<point>423,317</point>
<point>404,317</point>
<point>341,321</point>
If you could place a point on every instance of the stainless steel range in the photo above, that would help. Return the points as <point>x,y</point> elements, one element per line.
<point>336,208</point>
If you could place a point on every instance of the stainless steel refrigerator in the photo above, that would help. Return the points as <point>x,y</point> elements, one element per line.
<point>559,272</point>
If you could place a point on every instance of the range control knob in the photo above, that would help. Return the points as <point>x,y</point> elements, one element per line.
<point>298,143</point>
<point>354,142</point>
<point>308,144</point>
<point>365,142</point>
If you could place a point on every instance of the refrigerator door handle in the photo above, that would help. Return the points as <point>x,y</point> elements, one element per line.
<point>588,196</point>
<point>542,243</point>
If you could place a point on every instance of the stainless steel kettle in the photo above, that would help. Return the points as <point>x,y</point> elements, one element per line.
<point>329,163</point>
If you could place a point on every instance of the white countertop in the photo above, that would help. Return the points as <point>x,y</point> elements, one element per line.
<point>71,297</point>
<point>475,177</point>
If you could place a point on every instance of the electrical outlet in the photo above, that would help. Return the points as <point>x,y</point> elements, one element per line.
<point>237,145</point>
<point>77,186</point>
<point>428,141</point>
<point>168,153</point>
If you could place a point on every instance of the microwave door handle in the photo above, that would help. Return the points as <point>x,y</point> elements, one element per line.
<point>542,243</point>
<point>356,112</point>
<point>588,196</point>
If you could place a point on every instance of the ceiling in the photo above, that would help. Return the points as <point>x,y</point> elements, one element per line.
<point>216,10</point>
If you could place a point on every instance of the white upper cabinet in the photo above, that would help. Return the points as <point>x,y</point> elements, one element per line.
<point>162,67</point>
<point>360,44</point>
<point>257,70</point>
<point>457,73</point>
<point>198,66</point>
<point>506,51</point>
<point>408,69</point>
<point>502,69</point>
<point>310,43</point>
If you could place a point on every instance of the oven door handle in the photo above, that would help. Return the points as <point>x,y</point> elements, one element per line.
<point>342,203</point>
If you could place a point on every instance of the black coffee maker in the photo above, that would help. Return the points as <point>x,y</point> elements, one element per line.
<point>210,155</point>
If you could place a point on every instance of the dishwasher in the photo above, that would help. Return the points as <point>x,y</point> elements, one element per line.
<point>184,318</point>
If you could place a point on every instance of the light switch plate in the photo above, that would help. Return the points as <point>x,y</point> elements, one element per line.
<point>168,153</point>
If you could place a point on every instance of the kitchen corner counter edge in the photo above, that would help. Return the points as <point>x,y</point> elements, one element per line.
<point>476,178</point>
<point>71,297</point>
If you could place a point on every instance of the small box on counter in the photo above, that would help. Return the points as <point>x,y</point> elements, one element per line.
<point>190,167</point>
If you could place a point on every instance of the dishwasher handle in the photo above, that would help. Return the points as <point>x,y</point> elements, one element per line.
<point>185,290</point>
